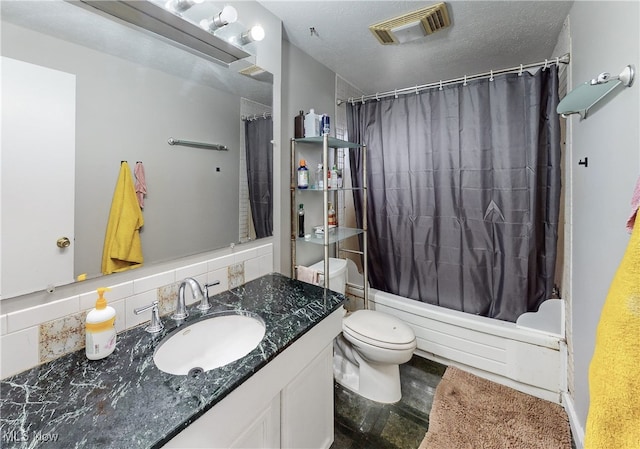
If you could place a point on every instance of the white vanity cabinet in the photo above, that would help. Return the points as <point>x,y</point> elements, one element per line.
<point>287,404</point>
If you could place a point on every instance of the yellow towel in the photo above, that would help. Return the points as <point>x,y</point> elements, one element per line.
<point>122,246</point>
<point>614,374</point>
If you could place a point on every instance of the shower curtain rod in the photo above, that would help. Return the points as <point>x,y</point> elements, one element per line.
<point>564,59</point>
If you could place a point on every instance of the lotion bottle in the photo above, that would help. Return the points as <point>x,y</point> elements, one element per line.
<point>100,329</point>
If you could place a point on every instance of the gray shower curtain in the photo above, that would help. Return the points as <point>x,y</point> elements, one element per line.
<point>464,192</point>
<point>258,135</point>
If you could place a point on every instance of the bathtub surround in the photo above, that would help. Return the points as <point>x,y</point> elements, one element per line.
<point>72,398</point>
<point>524,358</point>
<point>463,204</point>
<point>44,332</point>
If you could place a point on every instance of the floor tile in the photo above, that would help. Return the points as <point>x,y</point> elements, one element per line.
<point>364,424</point>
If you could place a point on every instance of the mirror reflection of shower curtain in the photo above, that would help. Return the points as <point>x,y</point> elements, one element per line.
<point>464,193</point>
<point>259,151</point>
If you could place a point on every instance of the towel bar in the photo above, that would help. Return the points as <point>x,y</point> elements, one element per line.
<point>187,143</point>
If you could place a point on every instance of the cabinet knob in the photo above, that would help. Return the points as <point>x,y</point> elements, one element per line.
<point>63,242</point>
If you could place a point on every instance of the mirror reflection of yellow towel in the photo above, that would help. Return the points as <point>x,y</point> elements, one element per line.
<point>614,374</point>
<point>122,246</point>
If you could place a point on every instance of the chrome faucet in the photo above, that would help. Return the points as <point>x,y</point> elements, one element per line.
<point>181,307</point>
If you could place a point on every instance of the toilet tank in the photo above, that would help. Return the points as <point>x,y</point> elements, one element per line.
<point>337,273</point>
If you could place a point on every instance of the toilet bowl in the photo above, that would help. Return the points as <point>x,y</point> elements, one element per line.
<point>368,353</point>
<point>371,347</point>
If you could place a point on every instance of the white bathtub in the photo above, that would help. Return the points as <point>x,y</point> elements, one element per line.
<point>529,355</point>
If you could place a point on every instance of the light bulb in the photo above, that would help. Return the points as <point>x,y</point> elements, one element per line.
<point>256,33</point>
<point>226,16</point>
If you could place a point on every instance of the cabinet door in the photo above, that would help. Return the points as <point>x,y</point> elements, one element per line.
<point>37,177</point>
<point>264,431</point>
<point>234,425</point>
<point>307,405</point>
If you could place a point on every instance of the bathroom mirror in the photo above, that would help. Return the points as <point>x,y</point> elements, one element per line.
<point>133,92</point>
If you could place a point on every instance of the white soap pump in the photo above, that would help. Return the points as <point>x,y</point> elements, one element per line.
<point>100,329</point>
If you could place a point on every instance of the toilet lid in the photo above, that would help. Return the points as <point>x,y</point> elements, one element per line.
<point>378,329</point>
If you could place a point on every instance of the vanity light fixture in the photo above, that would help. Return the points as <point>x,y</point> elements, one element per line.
<point>223,18</point>
<point>255,34</point>
<point>180,6</point>
<point>157,19</point>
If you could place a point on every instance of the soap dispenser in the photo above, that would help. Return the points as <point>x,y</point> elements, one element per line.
<point>100,329</point>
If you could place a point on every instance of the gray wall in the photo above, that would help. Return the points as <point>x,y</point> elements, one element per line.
<point>126,111</point>
<point>306,84</point>
<point>604,37</point>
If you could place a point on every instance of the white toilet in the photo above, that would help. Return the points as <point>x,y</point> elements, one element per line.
<point>371,347</point>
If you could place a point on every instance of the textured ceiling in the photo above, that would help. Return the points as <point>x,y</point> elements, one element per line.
<point>483,35</point>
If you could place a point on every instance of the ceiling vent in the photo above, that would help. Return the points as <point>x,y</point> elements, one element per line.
<point>412,26</point>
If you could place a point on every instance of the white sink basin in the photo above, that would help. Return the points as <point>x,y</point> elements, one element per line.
<point>210,343</point>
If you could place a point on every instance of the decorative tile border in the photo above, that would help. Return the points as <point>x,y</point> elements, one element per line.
<point>236,275</point>
<point>59,337</point>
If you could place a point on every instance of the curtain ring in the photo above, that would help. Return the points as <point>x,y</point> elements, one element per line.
<point>416,90</point>
<point>264,115</point>
<point>520,72</point>
<point>440,85</point>
<point>377,98</point>
<point>558,61</point>
<point>465,81</point>
<point>351,100</point>
<point>546,63</point>
<point>491,77</point>
<point>362,99</point>
<point>395,93</point>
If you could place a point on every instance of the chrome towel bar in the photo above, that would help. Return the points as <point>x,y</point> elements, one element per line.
<point>187,143</point>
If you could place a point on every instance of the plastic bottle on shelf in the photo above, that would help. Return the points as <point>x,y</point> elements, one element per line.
<point>325,126</point>
<point>301,221</point>
<point>311,124</point>
<point>333,221</point>
<point>303,175</point>
<point>319,178</point>
<point>328,178</point>
<point>334,178</point>
<point>298,125</point>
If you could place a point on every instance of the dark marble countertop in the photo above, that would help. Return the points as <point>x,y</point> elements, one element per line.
<point>124,401</point>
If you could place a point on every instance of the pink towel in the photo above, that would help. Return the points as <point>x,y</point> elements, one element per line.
<point>141,183</point>
<point>635,204</point>
<point>306,274</point>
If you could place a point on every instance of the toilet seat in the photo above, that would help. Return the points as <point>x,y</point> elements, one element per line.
<point>380,330</point>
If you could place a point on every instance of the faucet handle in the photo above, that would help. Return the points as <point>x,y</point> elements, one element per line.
<point>156,323</point>
<point>204,303</point>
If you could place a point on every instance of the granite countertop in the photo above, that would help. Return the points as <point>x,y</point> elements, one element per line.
<point>124,401</point>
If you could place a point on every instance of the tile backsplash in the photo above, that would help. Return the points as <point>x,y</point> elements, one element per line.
<point>39,334</point>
